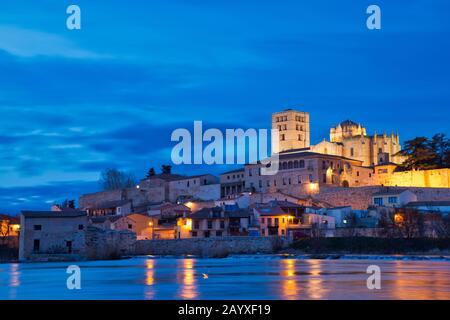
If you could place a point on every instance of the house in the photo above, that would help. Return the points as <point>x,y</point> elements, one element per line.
<point>282,218</point>
<point>110,208</point>
<point>49,232</point>
<point>430,206</point>
<point>232,182</point>
<point>341,215</point>
<point>216,222</point>
<point>200,187</point>
<point>139,223</point>
<point>393,197</point>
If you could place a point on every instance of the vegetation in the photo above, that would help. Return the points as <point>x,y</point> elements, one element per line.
<point>150,173</point>
<point>424,153</point>
<point>113,179</point>
<point>67,204</point>
<point>166,169</point>
<point>368,245</point>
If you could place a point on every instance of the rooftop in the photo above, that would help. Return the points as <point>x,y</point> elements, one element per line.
<point>438,203</point>
<point>53,214</point>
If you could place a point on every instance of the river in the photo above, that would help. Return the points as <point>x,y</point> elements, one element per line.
<point>235,277</point>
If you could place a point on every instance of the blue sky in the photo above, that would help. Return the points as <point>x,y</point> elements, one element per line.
<point>75,102</point>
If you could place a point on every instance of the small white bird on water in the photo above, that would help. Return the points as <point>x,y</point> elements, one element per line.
<point>205,276</point>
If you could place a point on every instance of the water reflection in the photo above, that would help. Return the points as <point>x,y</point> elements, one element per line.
<point>315,288</point>
<point>14,282</point>
<point>150,279</point>
<point>188,281</point>
<point>289,286</point>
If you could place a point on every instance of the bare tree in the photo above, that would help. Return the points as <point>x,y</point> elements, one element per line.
<point>113,179</point>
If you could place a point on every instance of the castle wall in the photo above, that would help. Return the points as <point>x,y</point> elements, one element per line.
<point>360,198</point>
<point>436,178</point>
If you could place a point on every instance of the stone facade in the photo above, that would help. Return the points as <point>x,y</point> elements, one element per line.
<point>109,244</point>
<point>50,232</point>
<point>350,140</point>
<point>293,127</point>
<point>210,246</point>
<point>361,198</point>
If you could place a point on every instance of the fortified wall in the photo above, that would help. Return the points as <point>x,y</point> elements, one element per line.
<point>210,247</point>
<point>361,197</point>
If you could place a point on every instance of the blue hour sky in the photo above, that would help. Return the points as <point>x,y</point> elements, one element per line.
<point>73,103</point>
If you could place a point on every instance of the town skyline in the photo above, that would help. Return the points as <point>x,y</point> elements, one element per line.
<point>60,128</point>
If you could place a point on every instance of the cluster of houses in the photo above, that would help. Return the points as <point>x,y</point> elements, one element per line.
<point>243,202</point>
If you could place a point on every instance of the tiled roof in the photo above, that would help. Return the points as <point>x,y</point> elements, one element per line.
<point>53,214</point>
<point>110,204</point>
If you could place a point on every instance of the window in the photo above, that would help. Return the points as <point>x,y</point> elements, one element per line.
<point>282,232</point>
<point>299,137</point>
<point>352,152</point>
<point>378,201</point>
<point>392,199</point>
<point>80,227</point>
<point>250,172</point>
<point>263,232</point>
<point>289,181</point>
<point>276,221</point>
<point>194,233</point>
<point>36,245</point>
<point>324,178</point>
<point>260,183</point>
<point>130,226</point>
<point>357,173</point>
<point>301,164</point>
<point>380,150</point>
<point>263,220</point>
<point>222,224</point>
<point>299,179</point>
<point>37,227</point>
<point>269,221</point>
<point>196,225</point>
<point>69,246</point>
<point>282,137</point>
<point>218,233</point>
<point>296,164</point>
<point>188,184</point>
<point>210,224</point>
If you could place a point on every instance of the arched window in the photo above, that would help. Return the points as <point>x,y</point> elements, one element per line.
<point>290,165</point>
<point>301,164</point>
<point>284,165</point>
<point>296,164</point>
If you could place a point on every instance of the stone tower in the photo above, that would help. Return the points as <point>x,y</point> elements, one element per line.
<point>293,127</point>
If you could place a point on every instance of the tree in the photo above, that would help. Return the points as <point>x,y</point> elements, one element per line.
<point>150,173</point>
<point>422,153</point>
<point>67,204</point>
<point>113,179</point>
<point>166,169</point>
<point>419,154</point>
<point>440,146</point>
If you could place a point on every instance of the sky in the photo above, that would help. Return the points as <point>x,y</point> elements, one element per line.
<point>76,102</point>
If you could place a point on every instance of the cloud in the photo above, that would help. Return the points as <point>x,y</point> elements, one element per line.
<point>28,43</point>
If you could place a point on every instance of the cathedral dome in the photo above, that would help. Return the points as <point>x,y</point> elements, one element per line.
<point>348,123</point>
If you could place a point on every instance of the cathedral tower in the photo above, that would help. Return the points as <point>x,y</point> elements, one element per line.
<point>293,127</point>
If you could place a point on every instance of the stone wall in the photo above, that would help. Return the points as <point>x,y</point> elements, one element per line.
<point>360,198</point>
<point>210,247</point>
<point>109,244</point>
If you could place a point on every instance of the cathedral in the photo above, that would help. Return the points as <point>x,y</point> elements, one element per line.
<point>348,139</point>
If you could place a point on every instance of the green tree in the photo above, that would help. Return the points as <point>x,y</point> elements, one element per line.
<point>166,169</point>
<point>419,153</point>
<point>113,179</point>
<point>150,173</point>
<point>440,146</point>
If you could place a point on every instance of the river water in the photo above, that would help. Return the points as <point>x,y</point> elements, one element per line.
<point>236,277</point>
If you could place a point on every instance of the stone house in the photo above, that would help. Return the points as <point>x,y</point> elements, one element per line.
<point>49,232</point>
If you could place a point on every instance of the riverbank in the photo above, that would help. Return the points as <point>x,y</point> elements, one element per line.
<point>370,246</point>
